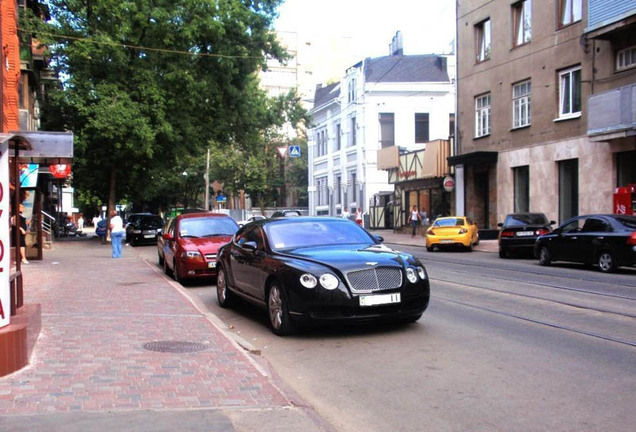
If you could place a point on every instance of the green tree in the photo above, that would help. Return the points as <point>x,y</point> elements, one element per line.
<point>148,84</point>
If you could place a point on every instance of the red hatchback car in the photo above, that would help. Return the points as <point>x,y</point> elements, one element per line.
<point>190,242</point>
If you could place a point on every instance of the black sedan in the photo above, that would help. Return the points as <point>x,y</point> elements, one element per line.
<point>330,270</point>
<point>607,240</point>
<point>144,229</point>
<point>519,231</point>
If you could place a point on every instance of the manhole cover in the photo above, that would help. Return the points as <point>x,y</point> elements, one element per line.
<point>175,346</point>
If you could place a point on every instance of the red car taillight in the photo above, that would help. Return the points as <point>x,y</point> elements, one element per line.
<point>542,231</point>
<point>507,234</point>
<point>463,231</point>
<point>631,240</point>
<point>430,231</point>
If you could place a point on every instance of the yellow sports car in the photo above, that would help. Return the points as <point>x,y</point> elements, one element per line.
<point>452,231</point>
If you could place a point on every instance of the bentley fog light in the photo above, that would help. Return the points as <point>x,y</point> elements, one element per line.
<point>410,275</point>
<point>421,272</point>
<point>329,281</point>
<point>308,280</point>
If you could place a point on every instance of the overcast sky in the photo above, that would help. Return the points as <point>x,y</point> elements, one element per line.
<point>427,26</point>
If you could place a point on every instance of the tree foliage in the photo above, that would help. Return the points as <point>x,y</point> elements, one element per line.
<point>149,85</point>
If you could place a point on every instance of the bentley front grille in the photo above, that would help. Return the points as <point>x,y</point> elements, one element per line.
<point>375,279</point>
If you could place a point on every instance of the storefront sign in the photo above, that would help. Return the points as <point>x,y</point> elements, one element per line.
<point>406,174</point>
<point>60,171</point>
<point>449,184</point>
<point>5,265</point>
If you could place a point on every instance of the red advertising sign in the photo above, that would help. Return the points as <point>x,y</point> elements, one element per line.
<point>60,171</point>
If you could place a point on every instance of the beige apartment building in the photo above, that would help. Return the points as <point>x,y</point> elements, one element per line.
<point>546,106</point>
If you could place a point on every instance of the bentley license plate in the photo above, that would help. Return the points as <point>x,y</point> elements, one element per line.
<point>524,233</point>
<point>379,299</point>
<point>212,264</point>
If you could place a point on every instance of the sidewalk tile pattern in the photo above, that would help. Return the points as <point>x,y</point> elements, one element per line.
<point>97,312</point>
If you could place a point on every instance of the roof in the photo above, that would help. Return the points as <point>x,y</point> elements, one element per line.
<point>326,94</point>
<point>407,68</point>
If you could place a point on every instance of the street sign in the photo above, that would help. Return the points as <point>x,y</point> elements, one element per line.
<point>294,151</point>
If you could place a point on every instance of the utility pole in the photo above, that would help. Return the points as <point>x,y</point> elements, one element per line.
<point>207,182</point>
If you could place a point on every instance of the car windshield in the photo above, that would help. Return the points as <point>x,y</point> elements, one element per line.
<point>526,219</point>
<point>151,221</point>
<point>207,227</point>
<point>449,222</point>
<point>313,233</point>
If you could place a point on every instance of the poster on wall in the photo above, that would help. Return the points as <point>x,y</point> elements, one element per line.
<point>28,175</point>
<point>5,264</point>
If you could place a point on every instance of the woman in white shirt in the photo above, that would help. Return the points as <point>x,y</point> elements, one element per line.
<point>415,219</point>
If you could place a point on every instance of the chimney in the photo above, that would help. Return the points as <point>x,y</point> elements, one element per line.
<point>396,47</point>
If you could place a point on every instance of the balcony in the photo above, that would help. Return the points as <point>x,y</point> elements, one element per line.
<point>612,114</point>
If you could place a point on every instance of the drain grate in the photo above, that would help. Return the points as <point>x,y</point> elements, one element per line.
<point>175,346</point>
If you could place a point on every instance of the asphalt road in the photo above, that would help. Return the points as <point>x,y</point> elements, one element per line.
<point>506,345</point>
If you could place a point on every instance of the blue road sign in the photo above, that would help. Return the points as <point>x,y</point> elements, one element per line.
<point>294,151</point>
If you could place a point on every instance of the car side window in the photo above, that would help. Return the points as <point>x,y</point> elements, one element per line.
<point>595,225</point>
<point>573,226</point>
<point>171,226</point>
<point>252,234</point>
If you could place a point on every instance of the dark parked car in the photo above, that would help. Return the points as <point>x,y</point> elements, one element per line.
<point>191,242</point>
<point>320,269</point>
<point>607,240</point>
<point>143,229</point>
<point>519,231</point>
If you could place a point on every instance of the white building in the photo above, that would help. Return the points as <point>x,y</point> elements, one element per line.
<point>397,100</point>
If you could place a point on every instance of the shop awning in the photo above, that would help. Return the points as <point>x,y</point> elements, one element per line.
<point>474,158</point>
<point>15,140</point>
<point>45,148</point>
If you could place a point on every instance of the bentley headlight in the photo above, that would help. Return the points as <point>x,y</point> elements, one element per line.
<point>308,280</point>
<point>329,281</point>
<point>411,275</point>
<point>421,272</point>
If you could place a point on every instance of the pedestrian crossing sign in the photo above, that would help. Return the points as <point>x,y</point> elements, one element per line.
<point>294,151</point>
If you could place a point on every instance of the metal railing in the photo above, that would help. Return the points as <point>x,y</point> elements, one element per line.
<point>48,225</point>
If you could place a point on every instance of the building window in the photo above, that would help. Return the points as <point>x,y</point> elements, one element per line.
<point>521,104</point>
<point>337,190</point>
<point>351,90</point>
<point>322,191</point>
<point>522,189</point>
<point>482,36</point>
<point>451,124</point>
<point>387,129</point>
<point>338,140</point>
<point>626,58</point>
<point>570,11</point>
<point>321,143</point>
<point>570,92</point>
<point>352,136</point>
<point>482,115</point>
<point>568,189</point>
<point>626,168</point>
<point>522,22</point>
<point>354,189</point>
<point>421,128</point>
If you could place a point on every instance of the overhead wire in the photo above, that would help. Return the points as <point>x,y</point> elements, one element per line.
<point>124,45</point>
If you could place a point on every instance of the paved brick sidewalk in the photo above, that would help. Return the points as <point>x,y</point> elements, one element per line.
<point>97,313</point>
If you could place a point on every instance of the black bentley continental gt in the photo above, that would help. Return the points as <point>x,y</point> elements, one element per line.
<point>320,269</point>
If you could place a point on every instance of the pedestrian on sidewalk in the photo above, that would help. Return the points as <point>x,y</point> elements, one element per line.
<point>415,219</point>
<point>359,216</point>
<point>116,233</point>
